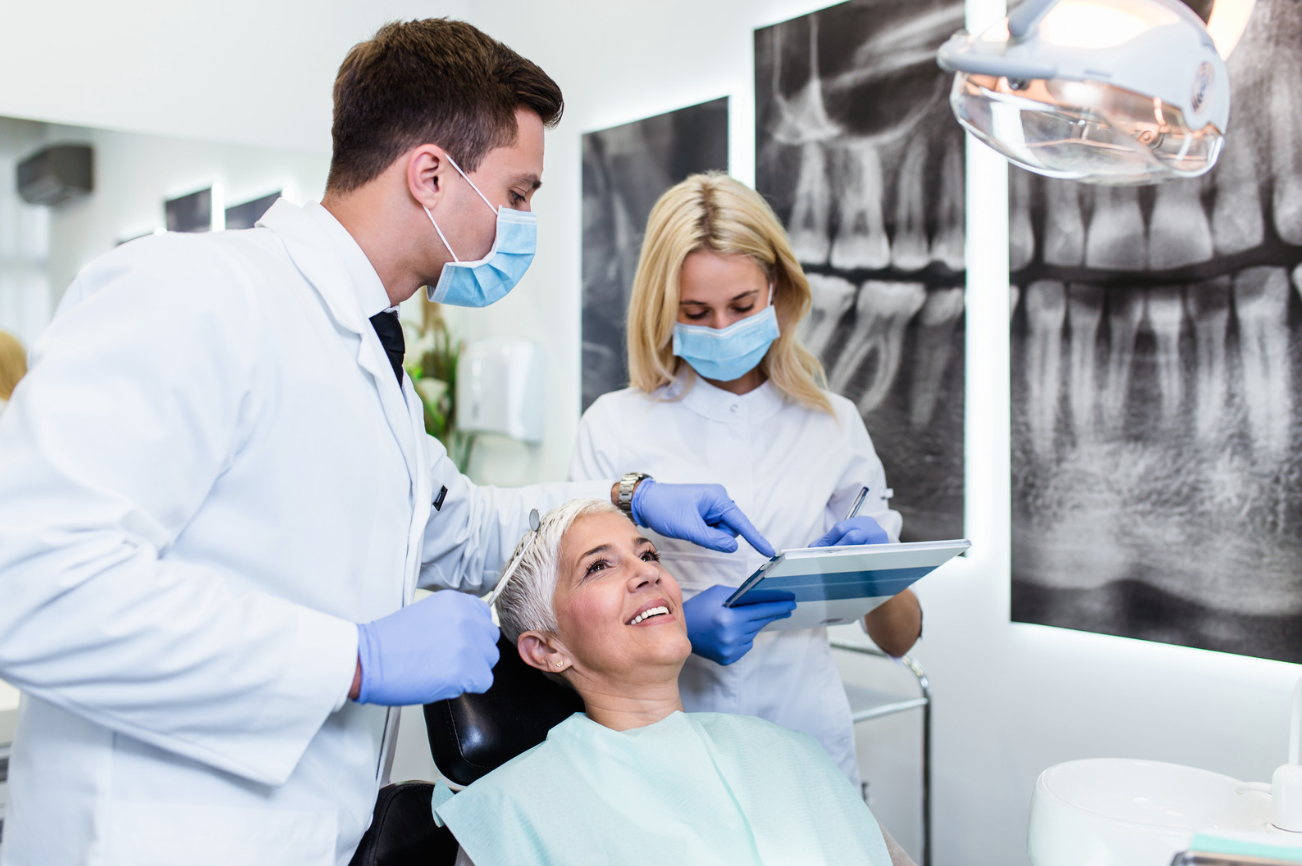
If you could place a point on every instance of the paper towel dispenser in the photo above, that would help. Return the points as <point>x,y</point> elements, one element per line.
<point>500,389</point>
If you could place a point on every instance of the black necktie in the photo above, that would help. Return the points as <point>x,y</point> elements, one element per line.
<point>388,329</point>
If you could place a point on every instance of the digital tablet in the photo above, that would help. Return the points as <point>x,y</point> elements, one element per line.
<point>837,585</point>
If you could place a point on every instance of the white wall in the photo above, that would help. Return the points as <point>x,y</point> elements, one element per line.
<point>245,71</point>
<point>24,238</point>
<point>135,174</point>
<point>1011,699</point>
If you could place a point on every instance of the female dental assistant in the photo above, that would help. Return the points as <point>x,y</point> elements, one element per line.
<point>723,391</point>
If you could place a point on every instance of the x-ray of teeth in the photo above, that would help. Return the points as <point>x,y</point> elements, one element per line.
<point>1084,313</point>
<point>858,153</point>
<point>625,170</point>
<point>1157,361</point>
<point>832,298</point>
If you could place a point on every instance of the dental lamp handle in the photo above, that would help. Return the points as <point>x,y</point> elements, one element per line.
<point>1027,14</point>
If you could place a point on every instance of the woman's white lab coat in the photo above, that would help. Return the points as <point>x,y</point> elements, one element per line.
<point>794,471</point>
<point>209,475</point>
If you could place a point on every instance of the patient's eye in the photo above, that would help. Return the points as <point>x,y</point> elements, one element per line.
<point>594,567</point>
<point>650,555</point>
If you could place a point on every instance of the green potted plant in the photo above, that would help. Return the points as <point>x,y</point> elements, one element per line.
<point>431,361</point>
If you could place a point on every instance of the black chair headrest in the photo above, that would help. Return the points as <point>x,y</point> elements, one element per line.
<point>472,735</point>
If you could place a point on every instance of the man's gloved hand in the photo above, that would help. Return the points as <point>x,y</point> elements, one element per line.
<point>725,634</point>
<point>701,513</point>
<point>437,648</point>
<point>856,530</point>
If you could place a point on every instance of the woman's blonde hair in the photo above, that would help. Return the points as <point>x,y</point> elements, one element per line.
<point>714,212</point>
<point>13,364</point>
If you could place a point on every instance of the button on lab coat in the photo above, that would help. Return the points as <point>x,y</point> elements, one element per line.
<point>795,472</point>
<point>209,475</point>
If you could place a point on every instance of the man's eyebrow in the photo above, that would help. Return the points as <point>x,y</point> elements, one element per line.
<point>529,179</point>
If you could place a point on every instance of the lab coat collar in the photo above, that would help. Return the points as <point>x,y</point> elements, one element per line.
<point>371,294</point>
<point>720,405</point>
<point>323,257</point>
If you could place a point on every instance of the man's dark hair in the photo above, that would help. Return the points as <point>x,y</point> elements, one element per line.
<point>435,81</point>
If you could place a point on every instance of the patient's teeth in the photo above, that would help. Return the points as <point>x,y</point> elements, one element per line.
<point>935,344</point>
<point>861,234</point>
<point>1116,233</point>
<point>1064,230</point>
<point>1237,223</point>
<point>1261,297</point>
<point>1084,311</point>
<point>947,244</point>
<point>1285,142</point>
<point>1178,231</point>
<point>882,315</point>
<point>1209,307</point>
<point>1021,237</point>
<point>1165,316</point>
<point>831,299</point>
<point>1125,312</point>
<point>1045,308</point>
<point>810,231</point>
<point>909,250</point>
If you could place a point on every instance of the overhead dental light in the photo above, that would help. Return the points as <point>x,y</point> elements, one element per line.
<point>1099,91</point>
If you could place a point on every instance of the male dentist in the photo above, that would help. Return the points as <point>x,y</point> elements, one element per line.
<point>217,495</point>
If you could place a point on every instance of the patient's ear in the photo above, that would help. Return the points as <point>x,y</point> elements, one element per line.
<point>542,651</point>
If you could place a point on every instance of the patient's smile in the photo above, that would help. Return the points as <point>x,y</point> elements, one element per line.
<point>651,610</point>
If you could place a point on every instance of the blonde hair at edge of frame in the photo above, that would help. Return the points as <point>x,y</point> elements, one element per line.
<point>714,212</point>
<point>526,602</point>
<point>13,364</point>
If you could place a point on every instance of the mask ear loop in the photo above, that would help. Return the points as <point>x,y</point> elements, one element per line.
<point>534,523</point>
<point>440,231</point>
<point>471,182</point>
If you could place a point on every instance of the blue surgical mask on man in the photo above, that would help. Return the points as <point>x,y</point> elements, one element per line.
<point>484,282</point>
<point>725,354</point>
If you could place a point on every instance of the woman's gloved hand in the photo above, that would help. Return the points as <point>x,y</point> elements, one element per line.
<point>700,513</point>
<point>725,634</point>
<point>856,530</point>
<point>437,648</point>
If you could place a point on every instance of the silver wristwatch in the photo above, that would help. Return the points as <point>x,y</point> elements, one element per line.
<point>626,485</point>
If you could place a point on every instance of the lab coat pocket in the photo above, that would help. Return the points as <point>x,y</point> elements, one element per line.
<point>163,834</point>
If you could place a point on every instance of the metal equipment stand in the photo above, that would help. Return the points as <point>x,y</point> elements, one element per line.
<point>868,704</point>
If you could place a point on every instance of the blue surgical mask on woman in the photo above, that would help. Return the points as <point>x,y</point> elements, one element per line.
<point>478,284</point>
<point>725,354</point>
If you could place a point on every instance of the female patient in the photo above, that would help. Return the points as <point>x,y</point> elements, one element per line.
<point>635,780</point>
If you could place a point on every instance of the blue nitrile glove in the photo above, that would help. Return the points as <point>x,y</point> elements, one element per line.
<point>700,513</point>
<point>437,648</point>
<point>725,634</point>
<point>856,530</point>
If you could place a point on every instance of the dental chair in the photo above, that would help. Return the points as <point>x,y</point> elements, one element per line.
<point>469,737</point>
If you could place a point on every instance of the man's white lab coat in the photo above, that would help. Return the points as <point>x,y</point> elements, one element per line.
<point>208,477</point>
<point>794,471</point>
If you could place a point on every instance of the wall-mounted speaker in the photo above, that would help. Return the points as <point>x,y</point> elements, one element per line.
<point>56,174</point>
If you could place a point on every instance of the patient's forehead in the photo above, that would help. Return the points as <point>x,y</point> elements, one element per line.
<point>594,530</point>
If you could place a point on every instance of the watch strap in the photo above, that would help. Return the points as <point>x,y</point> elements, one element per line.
<point>626,486</point>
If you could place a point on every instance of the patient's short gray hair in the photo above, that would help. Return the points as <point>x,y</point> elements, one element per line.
<point>526,602</point>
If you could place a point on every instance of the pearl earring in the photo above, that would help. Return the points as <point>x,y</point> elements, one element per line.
<point>560,664</point>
